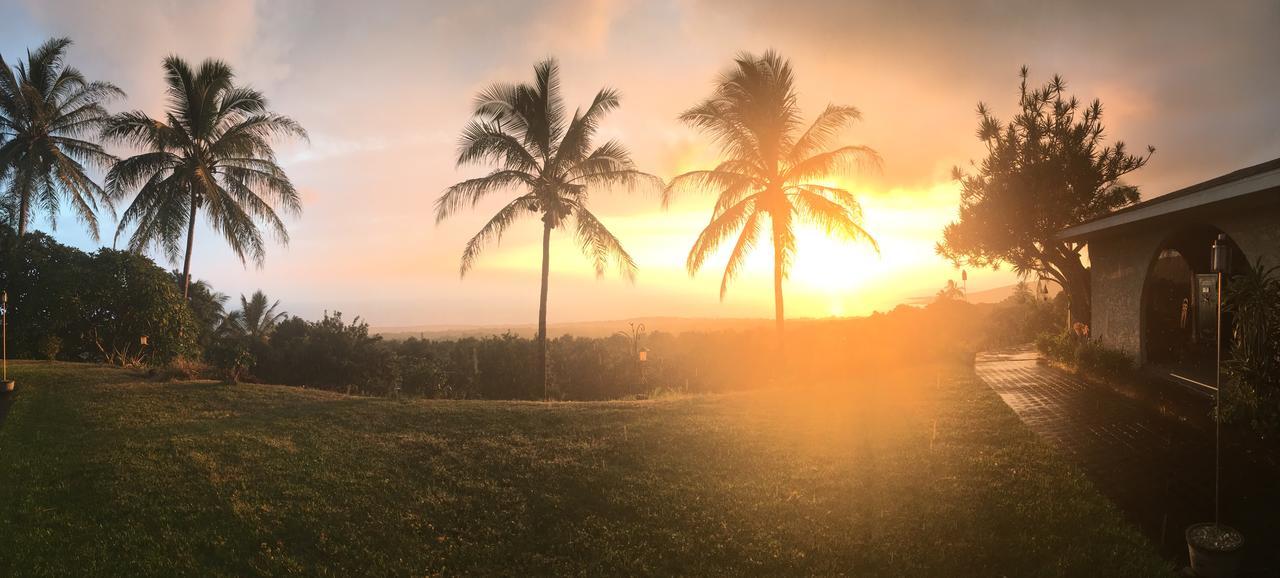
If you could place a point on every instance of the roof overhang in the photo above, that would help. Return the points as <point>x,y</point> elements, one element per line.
<point>1263,178</point>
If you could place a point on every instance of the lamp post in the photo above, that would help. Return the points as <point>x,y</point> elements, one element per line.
<point>1221,265</point>
<point>4,341</point>
<point>964,283</point>
<point>642,357</point>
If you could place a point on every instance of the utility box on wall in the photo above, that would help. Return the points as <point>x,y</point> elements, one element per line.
<point>1207,308</point>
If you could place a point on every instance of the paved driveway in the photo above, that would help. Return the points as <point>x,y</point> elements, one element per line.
<point>1153,460</point>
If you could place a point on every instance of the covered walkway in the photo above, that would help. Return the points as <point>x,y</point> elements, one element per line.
<point>1152,457</point>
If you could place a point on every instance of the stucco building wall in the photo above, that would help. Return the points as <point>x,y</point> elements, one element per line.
<point>1122,260</point>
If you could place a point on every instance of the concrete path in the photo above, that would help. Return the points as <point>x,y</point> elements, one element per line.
<point>1152,459</point>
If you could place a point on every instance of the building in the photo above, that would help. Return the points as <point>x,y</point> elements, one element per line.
<point>1153,294</point>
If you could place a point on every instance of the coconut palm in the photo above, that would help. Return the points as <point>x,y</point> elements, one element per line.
<point>548,160</point>
<point>49,117</point>
<point>212,150</point>
<point>774,169</point>
<point>256,317</point>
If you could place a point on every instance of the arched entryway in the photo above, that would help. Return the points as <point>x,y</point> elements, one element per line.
<point>1179,301</point>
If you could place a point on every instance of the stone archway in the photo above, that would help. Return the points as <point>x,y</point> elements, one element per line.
<point>1178,307</point>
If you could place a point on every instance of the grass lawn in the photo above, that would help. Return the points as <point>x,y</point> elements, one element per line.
<point>102,473</point>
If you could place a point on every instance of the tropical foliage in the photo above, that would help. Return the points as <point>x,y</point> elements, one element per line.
<point>1046,170</point>
<point>1252,395</point>
<point>49,118</point>
<point>256,318</point>
<point>775,173</point>
<point>550,161</point>
<point>64,303</point>
<point>207,306</point>
<point>329,354</point>
<point>212,151</point>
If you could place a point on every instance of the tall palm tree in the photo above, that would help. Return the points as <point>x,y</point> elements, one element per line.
<point>773,168</point>
<point>256,317</point>
<point>549,161</point>
<point>212,150</point>
<point>49,116</point>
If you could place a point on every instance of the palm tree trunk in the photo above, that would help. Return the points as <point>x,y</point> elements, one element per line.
<point>191,237</point>
<point>542,305</point>
<point>23,207</point>
<point>779,318</point>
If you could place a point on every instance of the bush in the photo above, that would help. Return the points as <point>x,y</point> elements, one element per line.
<point>49,346</point>
<point>1084,354</point>
<point>1096,359</point>
<point>1022,318</point>
<point>1252,392</point>
<point>231,358</point>
<point>66,303</point>
<point>328,354</point>
<point>179,369</point>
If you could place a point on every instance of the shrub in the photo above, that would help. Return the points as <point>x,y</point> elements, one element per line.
<point>1059,347</point>
<point>1086,355</point>
<point>1252,392</point>
<point>91,306</point>
<point>179,369</point>
<point>1096,359</point>
<point>49,346</point>
<point>231,358</point>
<point>1021,318</point>
<point>329,354</point>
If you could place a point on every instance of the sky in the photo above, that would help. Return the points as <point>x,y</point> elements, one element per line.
<point>384,89</point>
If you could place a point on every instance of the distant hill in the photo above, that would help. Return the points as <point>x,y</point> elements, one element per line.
<point>663,324</point>
<point>993,295</point>
<point>580,328</point>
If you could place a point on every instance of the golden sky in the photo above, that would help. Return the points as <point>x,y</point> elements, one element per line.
<point>384,88</point>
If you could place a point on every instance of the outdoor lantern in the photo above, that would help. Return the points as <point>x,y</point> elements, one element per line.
<point>643,355</point>
<point>143,340</point>
<point>1221,255</point>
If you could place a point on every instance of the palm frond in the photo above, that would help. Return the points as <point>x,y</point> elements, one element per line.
<point>493,230</point>
<point>833,218</point>
<point>601,246</point>
<point>470,192</point>
<point>743,247</point>
<point>848,160</point>
<point>819,134</point>
<point>721,227</point>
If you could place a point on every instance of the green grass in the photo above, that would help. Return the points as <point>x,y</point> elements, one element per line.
<point>102,473</point>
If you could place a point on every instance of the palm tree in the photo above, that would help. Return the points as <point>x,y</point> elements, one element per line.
<point>255,318</point>
<point>207,305</point>
<point>212,150</point>
<point>548,159</point>
<point>774,168</point>
<point>48,114</point>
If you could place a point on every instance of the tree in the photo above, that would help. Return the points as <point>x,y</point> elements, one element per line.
<point>772,170</point>
<point>1045,170</point>
<point>208,307</point>
<point>213,150</point>
<point>48,114</point>
<point>950,292</point>
<point>256,317</point>
<point>549,160</point>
